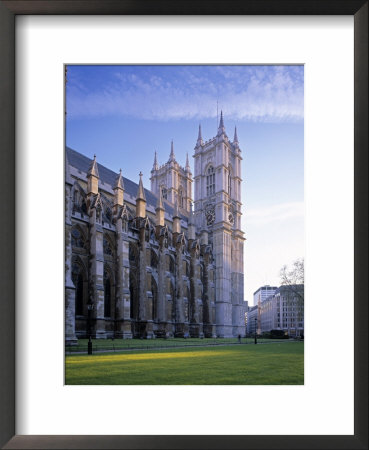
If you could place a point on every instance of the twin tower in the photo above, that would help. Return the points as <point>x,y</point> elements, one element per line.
<point>217,210</point>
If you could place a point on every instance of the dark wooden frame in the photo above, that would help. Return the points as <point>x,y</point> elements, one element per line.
<point>8,11</point>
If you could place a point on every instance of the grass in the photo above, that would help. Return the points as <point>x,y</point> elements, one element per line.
<point>269,364</point>
<point>136,344</point>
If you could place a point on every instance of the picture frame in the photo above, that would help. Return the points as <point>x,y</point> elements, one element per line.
<point>8,11</point>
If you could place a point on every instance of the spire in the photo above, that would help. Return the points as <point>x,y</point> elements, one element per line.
<point>199,137</point>
<point>118,191</point>
<point>221,129</point>
<point>235,139</point>
<point>140,200</point>
<point>188,168</point>
<point>93,170</point>
<point>155,165</point>
<point>119,181</point>
<point>141,190</point>
<point>171,156</point>
<point>93,178</point>
<point>221,123</point>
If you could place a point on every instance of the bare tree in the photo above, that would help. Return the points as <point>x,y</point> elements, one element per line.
<point>293,278</point>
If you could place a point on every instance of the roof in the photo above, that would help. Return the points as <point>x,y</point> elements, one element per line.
<point>107,176</point>
<point>266,287</point>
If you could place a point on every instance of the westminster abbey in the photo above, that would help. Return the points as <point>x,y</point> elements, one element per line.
<point>155,263</point>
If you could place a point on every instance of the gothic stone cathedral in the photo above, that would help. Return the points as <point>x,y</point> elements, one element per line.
<point>141,263</point>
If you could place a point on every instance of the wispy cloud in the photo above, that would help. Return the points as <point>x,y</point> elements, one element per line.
<point>276,213</point>
<point>253,93</point>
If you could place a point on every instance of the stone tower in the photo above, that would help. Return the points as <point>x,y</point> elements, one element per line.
<point>172,182</point>
<point>218,211</point>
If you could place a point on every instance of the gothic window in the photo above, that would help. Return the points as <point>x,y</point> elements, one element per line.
<point>77,238</point>
<point>230,217</point>
<point>124,226</point>
<point>180,198</point>
<point>154,259</point>
<point>78,279</point>
<point>107,298</point>
<point>107,247</point>
<point>210,181</point>
<point>230,183</point>
<point>187,268</point>
<point>185,311</point>
<point>107,216</point>
<point>79,203</point>
<point>154,291</point>
<point>132,253</point>
<point>133,289</point>
<point>210,216</point>
<point>79,295</point>
<point>164,192</point>
<point>84,206</point>
<point>98,215</point>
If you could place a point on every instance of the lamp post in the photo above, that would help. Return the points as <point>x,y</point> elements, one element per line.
<point>255,329</point>
<point>90,307</point>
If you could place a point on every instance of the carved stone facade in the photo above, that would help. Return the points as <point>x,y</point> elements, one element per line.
<point>140,263</point>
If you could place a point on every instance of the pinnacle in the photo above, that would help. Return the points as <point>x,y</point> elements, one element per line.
<point>171,156</point>
<point>221,128</point>
<point>235,139</point>
<point>155,165</point>
<point>119,181</point>
<point>93,170</point>
<point>141,190</point>
<point>187,163</point>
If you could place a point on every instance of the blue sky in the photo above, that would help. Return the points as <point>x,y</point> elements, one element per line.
<point>125,113</point>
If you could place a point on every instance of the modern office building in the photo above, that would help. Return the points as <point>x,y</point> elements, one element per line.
<point>264,292</point>
<point>252,324</point>
<point>284,310</point>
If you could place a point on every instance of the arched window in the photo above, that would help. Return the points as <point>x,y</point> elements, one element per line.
<point>107,216</point>
<point>78,281</point>
<point>154,291</point>
<point>107,298</point>
<point>210,181</point>
<point>107,247</point>
<point>180,198</point>
<point>134,294</point>
<point>164,192</point>
<point>79,295</point>
<point>154,259</point>
<point>79,202</point>
<point>78,239</point>
<point>230,183</point>
<point>133,254</point>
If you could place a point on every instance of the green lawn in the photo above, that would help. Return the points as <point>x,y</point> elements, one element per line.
<point>132,344</point>
<point>275,363</point>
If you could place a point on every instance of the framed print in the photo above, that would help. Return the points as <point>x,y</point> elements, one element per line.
<point>40,408</point>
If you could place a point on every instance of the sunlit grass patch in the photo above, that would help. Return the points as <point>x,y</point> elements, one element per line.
<point>117,357</point>
<point>236,364</point>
